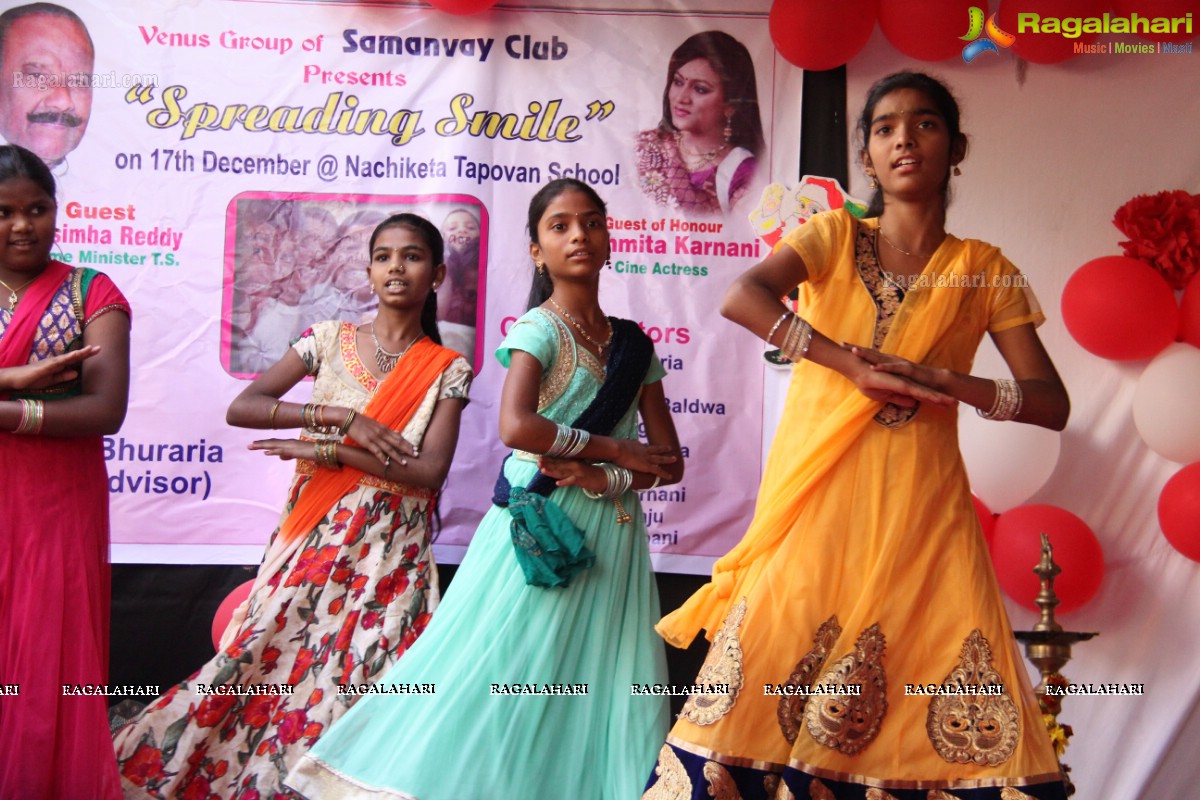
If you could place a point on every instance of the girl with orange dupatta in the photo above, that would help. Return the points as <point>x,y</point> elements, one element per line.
<point>348,580</point>
<point>64,383</point>
<point>864,573</point>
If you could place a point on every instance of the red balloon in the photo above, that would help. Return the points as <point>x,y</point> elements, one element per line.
<point>820,35</point>
<point>1047,48</point>
<point>1120,308</point>
<point>225,611</point>
<point>987,520</point>
<point>462,7</point>
<point>1017,549</point>
<point>1179,511</point>
<point>928,30</point>
<point>1151,9</point>
<point>1189,313</point>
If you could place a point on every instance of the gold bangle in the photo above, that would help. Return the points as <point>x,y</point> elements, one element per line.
<point>271,418</point>
<point>346,424</point>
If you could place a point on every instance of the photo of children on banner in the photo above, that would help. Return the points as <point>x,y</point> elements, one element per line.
<point>295,260</point>
<point>782,209</point>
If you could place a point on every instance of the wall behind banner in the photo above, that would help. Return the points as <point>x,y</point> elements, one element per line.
<point>238,154</point>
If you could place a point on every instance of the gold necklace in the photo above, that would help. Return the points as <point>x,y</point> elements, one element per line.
<point>699,159</point>
<point>892,245</point>
<point>600,346</point>
<point>387,360</point>
<point>12,293</point>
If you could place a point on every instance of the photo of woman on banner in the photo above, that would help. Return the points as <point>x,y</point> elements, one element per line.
<point>702,157</point>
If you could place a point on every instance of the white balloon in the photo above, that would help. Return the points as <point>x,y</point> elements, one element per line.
<point>1006,461</point>
<point>1165,403</point>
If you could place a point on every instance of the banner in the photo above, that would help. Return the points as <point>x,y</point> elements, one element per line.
<point>233,158</point>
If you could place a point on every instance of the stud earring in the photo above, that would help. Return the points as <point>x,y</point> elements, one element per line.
<point>957,171</point>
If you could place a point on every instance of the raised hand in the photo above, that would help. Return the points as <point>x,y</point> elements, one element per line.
<point>48,372</point>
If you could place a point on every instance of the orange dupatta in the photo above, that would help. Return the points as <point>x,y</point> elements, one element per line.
<point>394,404</point>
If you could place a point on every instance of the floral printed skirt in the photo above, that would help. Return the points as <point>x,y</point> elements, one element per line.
<point>350,600</point>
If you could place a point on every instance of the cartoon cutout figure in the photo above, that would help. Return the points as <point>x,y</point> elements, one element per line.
<point>782,209</point>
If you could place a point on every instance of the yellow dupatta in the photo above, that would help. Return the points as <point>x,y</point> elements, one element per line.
<point>922,320</point>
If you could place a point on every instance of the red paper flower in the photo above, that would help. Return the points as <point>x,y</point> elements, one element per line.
<point>1164,232</point>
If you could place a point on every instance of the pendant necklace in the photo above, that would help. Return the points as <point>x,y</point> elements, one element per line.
<point>695,161</point>
<point>12,293</point>
<point>387,360</point>
<point>892,245</point>
<point>600,346</point>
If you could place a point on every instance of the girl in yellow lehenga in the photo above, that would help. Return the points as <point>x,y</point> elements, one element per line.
<point>864,575</point>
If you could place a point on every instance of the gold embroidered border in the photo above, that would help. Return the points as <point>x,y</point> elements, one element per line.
<point>856,778</point>
<point>558,377</point>
<point>879,794</point>
<point>887,300</point>
<point>722,665</point>
<point>348,348</point>
<point>100,312</point>
<point>965,783</point>
<point>721,785</point>
<point>673,781</point>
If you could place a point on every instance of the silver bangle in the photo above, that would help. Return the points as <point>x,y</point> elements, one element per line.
<point>1008,402</point>
<point>657,480</point>
<point>568,442</point>
<point>618,480</point>
<point>775,327</point>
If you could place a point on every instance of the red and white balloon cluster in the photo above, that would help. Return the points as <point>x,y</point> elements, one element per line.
<point>1007,464</point>
<point>1146,305</point>
<point>820,35</point>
